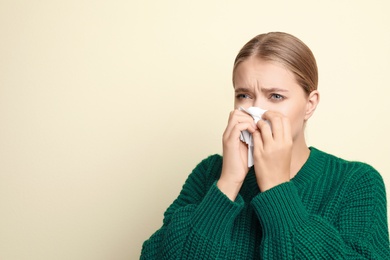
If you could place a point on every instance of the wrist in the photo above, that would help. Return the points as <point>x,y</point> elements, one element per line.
<point>229,188</point>
<point>265,185</point>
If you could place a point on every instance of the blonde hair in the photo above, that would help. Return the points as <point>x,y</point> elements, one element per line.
<point>288,51</point>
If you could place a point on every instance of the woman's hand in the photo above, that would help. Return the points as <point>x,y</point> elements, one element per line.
<point>272,150</point>
<point>235,153</point>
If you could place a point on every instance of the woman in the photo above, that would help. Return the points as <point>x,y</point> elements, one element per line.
<point>296,202</point>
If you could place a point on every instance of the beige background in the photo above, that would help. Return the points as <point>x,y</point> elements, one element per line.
<point>106,106</point>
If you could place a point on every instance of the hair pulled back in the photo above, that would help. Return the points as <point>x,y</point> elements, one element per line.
<point>287,50</point>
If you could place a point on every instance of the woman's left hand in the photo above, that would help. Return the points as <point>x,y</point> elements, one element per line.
<point>272,150</point>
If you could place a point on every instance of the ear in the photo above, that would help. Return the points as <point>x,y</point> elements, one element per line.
<point>312,102</point>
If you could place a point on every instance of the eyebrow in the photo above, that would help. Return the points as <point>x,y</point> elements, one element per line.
<point>242,90</point>
<point>262,90</point>
<point>274,90</point>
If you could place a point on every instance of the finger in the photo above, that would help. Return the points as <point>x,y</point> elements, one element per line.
<point>238,128</point>
<point>276,120</point>
<point>265,131</point>
<point>257,141</point>
<point>236,117</point>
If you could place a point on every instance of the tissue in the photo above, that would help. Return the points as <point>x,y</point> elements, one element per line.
<point>245,136</point>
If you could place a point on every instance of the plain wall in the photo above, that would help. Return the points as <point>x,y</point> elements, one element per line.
<point>107,106</point>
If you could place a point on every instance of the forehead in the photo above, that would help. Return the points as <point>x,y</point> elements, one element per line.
<point>255,71</point>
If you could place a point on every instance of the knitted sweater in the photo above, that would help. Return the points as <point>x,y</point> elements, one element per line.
<point>332,209</point>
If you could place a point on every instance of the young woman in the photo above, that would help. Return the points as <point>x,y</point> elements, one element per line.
<point>296,202</point>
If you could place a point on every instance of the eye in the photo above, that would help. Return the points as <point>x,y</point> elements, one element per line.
<point>276,97</point>
<point>242,96</point>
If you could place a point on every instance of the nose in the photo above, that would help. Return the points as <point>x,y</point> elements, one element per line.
<point>259,103</point>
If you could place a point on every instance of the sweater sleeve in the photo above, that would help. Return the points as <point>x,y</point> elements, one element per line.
<point>198,224</point>
<point>359,232</point>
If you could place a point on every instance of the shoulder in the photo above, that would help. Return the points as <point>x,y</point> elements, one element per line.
<point>207,171</point>
<point>347,181</point>
<point>348,169</point>
<point>210,162</point>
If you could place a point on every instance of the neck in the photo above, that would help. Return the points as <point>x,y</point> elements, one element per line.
<point>300,154</point>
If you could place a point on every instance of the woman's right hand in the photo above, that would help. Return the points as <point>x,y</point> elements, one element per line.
<point>235,153</point>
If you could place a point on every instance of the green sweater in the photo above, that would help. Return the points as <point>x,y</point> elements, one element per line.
<point>332,209</point>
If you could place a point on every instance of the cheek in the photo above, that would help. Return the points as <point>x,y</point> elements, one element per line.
<point>296,115</point>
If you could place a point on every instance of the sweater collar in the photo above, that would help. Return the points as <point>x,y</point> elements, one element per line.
<point>311,169</point>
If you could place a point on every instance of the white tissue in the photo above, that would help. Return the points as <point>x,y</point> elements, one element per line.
<point>245,136</point>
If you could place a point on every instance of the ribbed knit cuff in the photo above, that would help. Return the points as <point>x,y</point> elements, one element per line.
<point>280,209</point>
<point>214,217</point>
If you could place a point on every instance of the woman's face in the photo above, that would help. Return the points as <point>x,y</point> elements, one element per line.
<point>270,86</point>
